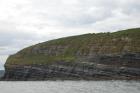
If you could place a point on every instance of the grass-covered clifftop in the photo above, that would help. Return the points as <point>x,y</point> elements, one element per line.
<point>72,49</point>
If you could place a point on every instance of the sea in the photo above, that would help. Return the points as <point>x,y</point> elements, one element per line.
<point>70,86</point>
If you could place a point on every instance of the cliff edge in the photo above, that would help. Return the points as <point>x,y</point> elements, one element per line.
<point>91,57</point>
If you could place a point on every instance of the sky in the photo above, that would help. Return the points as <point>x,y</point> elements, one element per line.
<point>27,22</point>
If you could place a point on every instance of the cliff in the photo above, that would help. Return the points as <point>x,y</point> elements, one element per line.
<point>91,56</point>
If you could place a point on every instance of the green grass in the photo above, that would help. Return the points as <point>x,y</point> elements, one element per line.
<point>76,46</point>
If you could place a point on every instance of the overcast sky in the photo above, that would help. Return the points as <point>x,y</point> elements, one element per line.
<point>27,22</point>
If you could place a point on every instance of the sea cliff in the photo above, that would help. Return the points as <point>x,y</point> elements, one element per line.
<point>90,57</point>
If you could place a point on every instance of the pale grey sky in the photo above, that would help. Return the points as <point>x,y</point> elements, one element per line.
<point>26,22</point>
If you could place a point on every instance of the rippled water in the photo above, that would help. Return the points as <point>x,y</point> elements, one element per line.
<point>71,87</point>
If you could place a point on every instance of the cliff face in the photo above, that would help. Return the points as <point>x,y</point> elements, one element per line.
<point>90,56</point>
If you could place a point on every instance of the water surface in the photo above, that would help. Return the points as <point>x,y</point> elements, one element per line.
<point>70,87</point>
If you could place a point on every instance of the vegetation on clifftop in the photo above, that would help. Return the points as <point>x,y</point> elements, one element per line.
<point>69,49</point>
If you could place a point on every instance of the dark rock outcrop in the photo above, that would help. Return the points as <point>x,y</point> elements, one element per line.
<point>106,67</point>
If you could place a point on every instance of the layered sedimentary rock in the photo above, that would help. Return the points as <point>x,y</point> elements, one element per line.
<point>91,56</point>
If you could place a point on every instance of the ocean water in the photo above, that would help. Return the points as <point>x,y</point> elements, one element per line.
<point>70,87</point>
